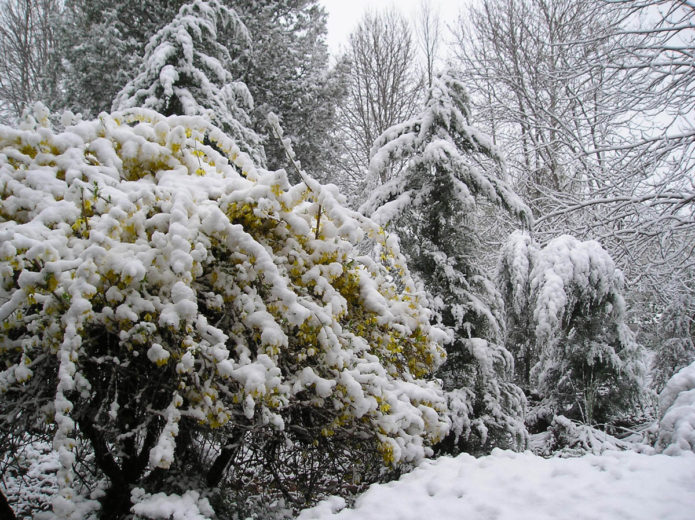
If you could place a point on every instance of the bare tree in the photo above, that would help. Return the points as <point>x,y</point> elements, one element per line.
<point>429,38</point>
<point>383,88</point>
<point>537,90</point>
<point>27,42</point>
<point>593,101</point>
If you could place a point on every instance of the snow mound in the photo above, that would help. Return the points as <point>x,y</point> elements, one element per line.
<point>677,413</point>
<point>521,486</point>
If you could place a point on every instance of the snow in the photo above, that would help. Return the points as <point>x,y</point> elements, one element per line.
<point>677,413</point>
<point>522,486</point>
<point>189,506</point>
<point>567,263</point>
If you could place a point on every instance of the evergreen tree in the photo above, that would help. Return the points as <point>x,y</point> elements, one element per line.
<point>287,73</point>
<point>283,62</point>
<point>583,359</point>
<point>101,45</point>
<point>186,71</point>
<point>432,206</point>
<point>674,342</point>
<point>676,431</point>
<point>517,259</point>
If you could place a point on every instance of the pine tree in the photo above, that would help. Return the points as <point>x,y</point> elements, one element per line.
<point>287,73</point>
<point>283,62</point>
<point>431,204</point>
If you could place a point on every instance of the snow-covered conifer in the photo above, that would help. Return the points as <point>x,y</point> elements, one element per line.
<point>432,205</point>
<point>186,70</point>
<point>673,343</point>
<point>159,308</point>
<point>585,361</point>
<point>517,259</point>
<point>101,44</point>
<point>287,73</point>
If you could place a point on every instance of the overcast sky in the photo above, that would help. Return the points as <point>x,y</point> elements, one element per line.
<point>344,15</point>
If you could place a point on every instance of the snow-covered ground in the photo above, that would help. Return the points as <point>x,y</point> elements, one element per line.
<point>520,486</point>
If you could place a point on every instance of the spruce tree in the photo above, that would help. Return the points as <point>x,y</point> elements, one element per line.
<point>431,204</point>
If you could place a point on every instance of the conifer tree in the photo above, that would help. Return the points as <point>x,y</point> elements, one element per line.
<point>516,261</point>
<point>287,73</point>
<point>186,71</point>
<point>579,355</point>
<point>674,342</point>
<point>101,44</point>
<point>432,205</point>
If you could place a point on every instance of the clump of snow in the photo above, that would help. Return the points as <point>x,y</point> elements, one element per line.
<point>189,506</point>
<point>677,414</point>
<point>521,486</point>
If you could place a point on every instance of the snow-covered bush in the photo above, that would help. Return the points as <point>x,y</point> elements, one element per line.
<point>566,297</point>
<point>432,204</point>
<point>677,413</point>
<point>28,476</point>
<point>163,300</point>
<point>566,438</point>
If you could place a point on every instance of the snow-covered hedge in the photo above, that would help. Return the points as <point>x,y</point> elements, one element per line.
<point>151,274</point>
<point>677,413</point>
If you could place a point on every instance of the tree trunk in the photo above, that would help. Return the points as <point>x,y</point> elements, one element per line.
<point>6,511</point>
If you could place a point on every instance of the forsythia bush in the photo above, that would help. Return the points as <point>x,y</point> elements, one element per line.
<point>152,276</point>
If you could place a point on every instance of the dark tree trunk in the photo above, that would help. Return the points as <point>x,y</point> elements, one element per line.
<point>6,511</point>
<point>216,471</point>
<point>115,504</point>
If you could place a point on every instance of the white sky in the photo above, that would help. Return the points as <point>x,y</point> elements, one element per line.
<point>344,15</point>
